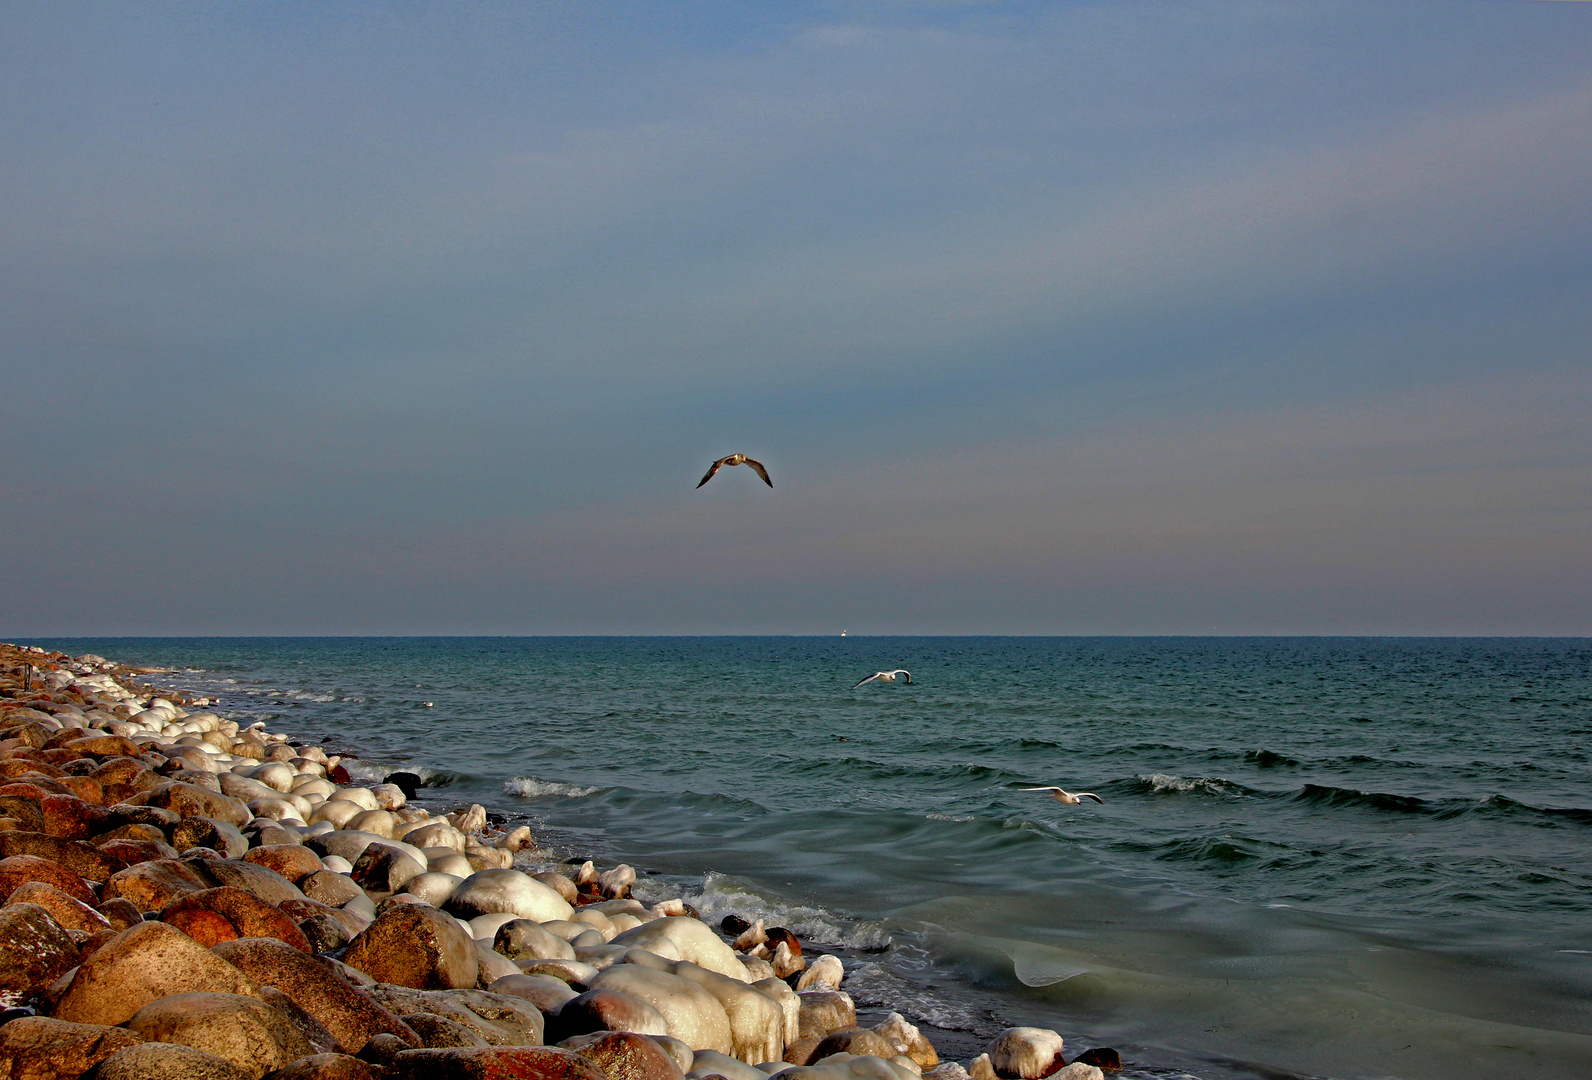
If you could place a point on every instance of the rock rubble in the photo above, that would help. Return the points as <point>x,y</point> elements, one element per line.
<point>182,896</point>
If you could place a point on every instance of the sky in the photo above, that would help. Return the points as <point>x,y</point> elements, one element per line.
<point>1228,317</point>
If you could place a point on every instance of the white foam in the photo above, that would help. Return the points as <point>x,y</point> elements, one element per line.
<point>720,895</point>
<point>935,816</point>
<point>528,787</point>
<point>1163,783</point>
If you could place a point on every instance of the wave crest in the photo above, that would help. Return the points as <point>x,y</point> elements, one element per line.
<point>529,787</point>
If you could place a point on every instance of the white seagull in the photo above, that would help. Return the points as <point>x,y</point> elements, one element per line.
<point>738,459</point>
<point>886,676</point>
<point>1066,796</point>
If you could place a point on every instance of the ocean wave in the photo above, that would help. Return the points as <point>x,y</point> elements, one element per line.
<point>720,895</point>
<point>1328,795</point>
<point>1167,784</point>
<point>1269,759</point>
<point>372,771</point>
<point>528,787</point>
<point>936,816</point>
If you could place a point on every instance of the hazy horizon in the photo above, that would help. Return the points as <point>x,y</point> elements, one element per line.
<point>1067,319</point>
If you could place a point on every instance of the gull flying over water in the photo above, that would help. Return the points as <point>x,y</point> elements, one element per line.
<point>887,676</point>
<point>1066,796</point>
<point>737,459</point>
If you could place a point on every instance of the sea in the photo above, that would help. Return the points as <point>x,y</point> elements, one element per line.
<point>1316,857</point>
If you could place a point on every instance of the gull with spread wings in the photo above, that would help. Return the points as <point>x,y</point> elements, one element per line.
<point>737,459</point>
<point>887,676</point>
<point>1066,796</point>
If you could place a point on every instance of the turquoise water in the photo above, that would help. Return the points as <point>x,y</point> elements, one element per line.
<point>1322,857</point>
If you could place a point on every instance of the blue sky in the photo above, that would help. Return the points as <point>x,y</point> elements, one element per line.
<point>1229,317</point>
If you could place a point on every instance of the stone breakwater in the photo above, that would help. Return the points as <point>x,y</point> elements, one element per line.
<point>182,897</point>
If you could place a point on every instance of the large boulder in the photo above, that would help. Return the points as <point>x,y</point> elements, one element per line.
<point>20,869</point>
<point>212,916</point>
<point>34,950</point>
<point>83,859</point>
<point>416,946</point>
<point>604,1009</point>
<point>489,891</point>
<point>143,964</point>
<point>242,1029</point>
<point>70,914</point>
<point>493,1063</point>
<point>315,985</point>
<point>692,938</point>
<point>165,1061</point>
<point>189,800</point>
<point>292,861</point>
<point>757,1022</point>
<point>691,1013</point>
<point>38,1048</point>
<point>325,1067</point>
<point>262,881</point>
<point>624,1055</point>
<point>151,885</point>
<point>525,939</point>
<point>497,1019</point>
<point>1026,1052</point>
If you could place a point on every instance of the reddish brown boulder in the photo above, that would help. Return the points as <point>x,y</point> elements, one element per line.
<point>206,832</point>
<point>351,1015</point>
<point>68,913</point>
<point>212,916</point>
<point>624,1055</point>
<point>38,1048</point>
<point>493,1063</point>
<point>325,1067</point>
<point>856,1040</point>
<point>34,950</point>
<point>19,869</point>
<point>84,787</point>
<point>150,886</point>
<point>71,818</point>
<point>416,946</point>
<point>292,861</point>
<point>143,964</point>
<point>133,851</point>
<point>84,860</point>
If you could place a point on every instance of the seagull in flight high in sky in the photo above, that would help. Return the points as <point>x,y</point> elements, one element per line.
<point>737,459</point>
<point>887,676</point>
<point>1066,796</point>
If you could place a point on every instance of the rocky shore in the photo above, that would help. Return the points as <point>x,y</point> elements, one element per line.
<point>183,897</point>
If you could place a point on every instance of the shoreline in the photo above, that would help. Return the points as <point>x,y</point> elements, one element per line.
<point>461,948</point>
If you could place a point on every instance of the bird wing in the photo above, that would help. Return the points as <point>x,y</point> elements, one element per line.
<point>870,678</point>
<point>758,465</point>
<point>1091,795</point>
<point>713,470</point>
<point>903,671</point>
<point>1039,789</point>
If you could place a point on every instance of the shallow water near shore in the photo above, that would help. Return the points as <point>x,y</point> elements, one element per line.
<point>1317,857</point>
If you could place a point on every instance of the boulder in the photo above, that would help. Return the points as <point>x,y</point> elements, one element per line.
<point>68,913</point>
<point>908,1040</point>
<point>143,964</point>
<point>497,1019</point>
<point>624,1055</point>
<point>711,1062</point>
<point>823,1011</point>
<point>757,1022</point>
<point>293,862</point>
<point>38,1048</point>
<point>690,1012</point>
<point>489,891</point>
<point>82,859</point>
<point>325,1067</point>
<point>693,939</point>
<point>34,950</point>
<point>212,916</point>
<point>165,1061</point>
<point>262,881</point>
<point>150,886</point>
<point>825,973</point>
<point>315,985</point>
<point>493,1063</point>
<point>1026,1052</point>
<point>415,946</point>
<point>72,818</point>
<point>604,1009</point>
<point>857,1041</point>
<point>524,939</point>
<point>384,868</point>
<point>208,832</point>
<point>188,800</point>
<point>242,1029</point>
<point>1079,1070</point>
<point>779,992</point>
<point>329,887</point>
<point>545,992</point>
<point>19,869</point>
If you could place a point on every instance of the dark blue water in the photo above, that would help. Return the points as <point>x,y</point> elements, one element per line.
<point>1333,857</point>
